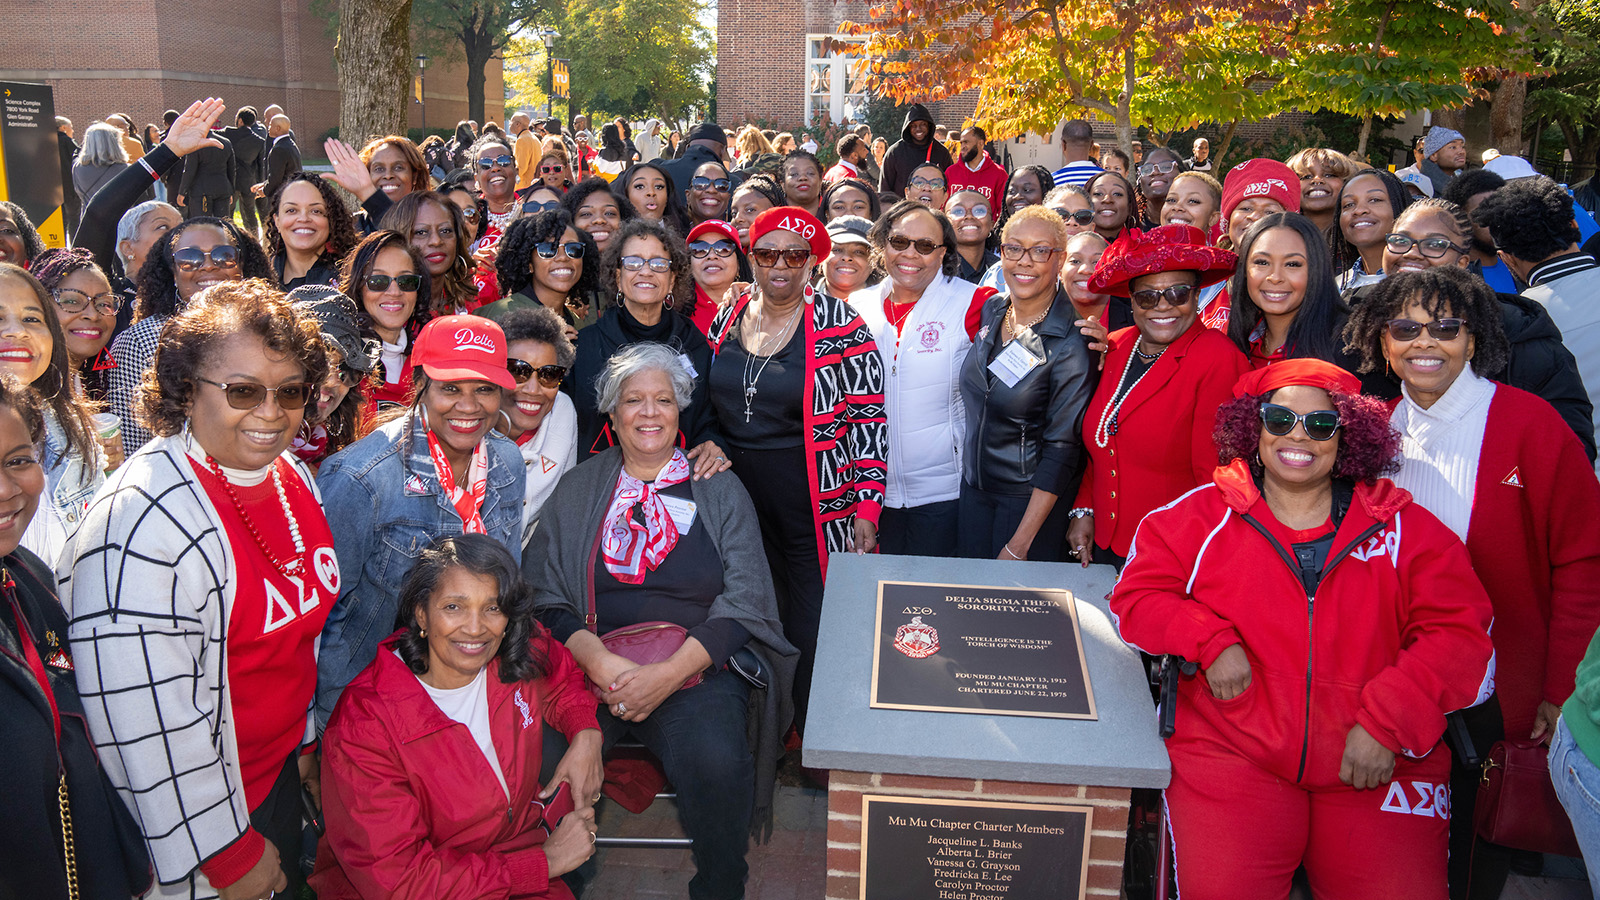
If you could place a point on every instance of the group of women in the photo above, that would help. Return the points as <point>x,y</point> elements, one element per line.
<point>471,474</point>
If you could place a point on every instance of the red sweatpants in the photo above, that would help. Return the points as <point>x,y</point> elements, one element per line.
<point>1239,832</point>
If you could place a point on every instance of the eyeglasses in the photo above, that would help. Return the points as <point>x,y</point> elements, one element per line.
<point>1430,247</point>
<point>1439,329</point>
<point>547,170</point>
<point>490,162</point>
<point>1040,253</point>
<point>961,212</point>
<point>767,257</point>
<point>924,247</point>
<point>547,249</point>
<point>470,213</point>
<point>656,263</point>
<point>347,376</point>
<point>1080,216</point>
<point>700,249</point>
<point>530,209</point>
<point>1320,425</point>
<point>1176,295</point>
<point>249,395</point>
<point>928,183</point>
<point>701,183</point>
<point>1165,168</point>
<point>222,256</point>
<point>76,301</point>
<point>408,283</point>
<point>549,376</point>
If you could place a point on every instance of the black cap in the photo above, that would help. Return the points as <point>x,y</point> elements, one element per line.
<point>708,131</point>
<point>340,321</point>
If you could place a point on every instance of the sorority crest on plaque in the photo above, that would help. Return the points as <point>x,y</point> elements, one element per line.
<point>975,649</point>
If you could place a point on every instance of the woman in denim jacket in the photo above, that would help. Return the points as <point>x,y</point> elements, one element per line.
<point>384,498</point>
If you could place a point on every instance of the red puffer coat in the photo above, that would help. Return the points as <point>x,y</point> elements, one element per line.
<point>1394,637</point>
<point>413,809</point>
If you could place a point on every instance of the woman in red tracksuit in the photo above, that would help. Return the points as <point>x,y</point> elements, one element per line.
<point>1335,624</point>
<point>431,762</point>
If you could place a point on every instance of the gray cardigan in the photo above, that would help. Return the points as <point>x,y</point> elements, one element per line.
<point>558,563</point>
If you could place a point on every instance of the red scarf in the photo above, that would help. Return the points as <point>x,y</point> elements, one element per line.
<point>629,548</point>
<point>468,501</point>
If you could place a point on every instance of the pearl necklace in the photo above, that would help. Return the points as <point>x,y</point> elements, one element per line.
<point>297,563</point>
<point>1108,417</point>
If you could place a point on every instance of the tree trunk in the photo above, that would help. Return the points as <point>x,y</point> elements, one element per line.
<point>1505,115</point>
<point>374,60</point>
<point>1453,119</point>
<point>479,49</point>
<point>1366,133</point>
<point>1221,152</point>
<point>1377,53</point>
<point>1124,104</point>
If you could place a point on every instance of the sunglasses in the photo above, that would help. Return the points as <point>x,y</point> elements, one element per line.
<point>409,283</point>
<point>248,395</point>
<point>928,183</point>
<point>1176,295</point>
<point>767,257</point>
<point>76,301</point>
<point>549,170</point>
<point>529,209</point>
<point>547,249</point>
<point>1014,252</point>
<point>961,212</point>
<point>1430,247</point>
<point>470,213</point>
<point>1165,168</point>
<point>700,249</point>
<point>490,162</point>
<point>656,263</point>
<point>924,247</point>
<point>522,370</point>
<point>1080,216</point>
<point>223,256</point>
<point>1320,425</point>
<point>1439,329</point>
<point>701,183</point>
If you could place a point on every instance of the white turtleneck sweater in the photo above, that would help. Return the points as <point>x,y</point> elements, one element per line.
<point>1440,447</point>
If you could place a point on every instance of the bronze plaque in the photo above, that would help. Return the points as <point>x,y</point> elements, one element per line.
<point>973,649</point>
<point>916,849</point>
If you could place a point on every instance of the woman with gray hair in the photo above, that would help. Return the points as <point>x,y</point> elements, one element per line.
<point>640,546</point>
<point>102,158</point>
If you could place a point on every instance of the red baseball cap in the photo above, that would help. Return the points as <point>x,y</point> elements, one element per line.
<point>716,228</point>
<point>797,220</point>
<point>463,348</point>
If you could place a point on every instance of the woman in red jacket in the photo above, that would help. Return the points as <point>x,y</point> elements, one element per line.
<point>1170,375</point>
<point>431,762</point>
<point>1525,501</point>
<point>1312,739</point>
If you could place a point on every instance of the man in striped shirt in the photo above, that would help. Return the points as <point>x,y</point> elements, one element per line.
<point>1077,154</point>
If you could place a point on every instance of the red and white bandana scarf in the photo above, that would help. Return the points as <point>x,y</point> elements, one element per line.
<point>468,501</point>
<point>628,548</point>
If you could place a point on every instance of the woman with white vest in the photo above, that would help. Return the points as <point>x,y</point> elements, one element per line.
<point>922,317</point>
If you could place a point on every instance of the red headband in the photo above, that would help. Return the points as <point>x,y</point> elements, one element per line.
<point>1308,372</point>
<point>797,220</point>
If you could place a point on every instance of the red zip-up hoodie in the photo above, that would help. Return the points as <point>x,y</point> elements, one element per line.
<point>1395,635</point>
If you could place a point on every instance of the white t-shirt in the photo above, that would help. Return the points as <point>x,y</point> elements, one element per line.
<point>469,705</point>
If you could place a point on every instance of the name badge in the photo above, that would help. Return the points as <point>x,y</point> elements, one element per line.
<point>688,366</point>
<point>682,512</point>
<point>1014,363</point>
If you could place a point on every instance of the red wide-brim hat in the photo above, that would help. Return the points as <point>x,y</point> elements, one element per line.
<point>1170,248</point>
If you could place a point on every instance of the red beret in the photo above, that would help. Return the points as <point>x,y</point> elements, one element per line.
<point>797,220</point>
<point>1308,372</point>
<point>1170,248</point>
<point>716,227</point>
<point>1260,178</point>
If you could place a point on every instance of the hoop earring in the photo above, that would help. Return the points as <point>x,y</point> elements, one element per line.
<point>668,302</point>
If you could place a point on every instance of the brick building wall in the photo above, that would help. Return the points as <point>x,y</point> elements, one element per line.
<point>142,57</point>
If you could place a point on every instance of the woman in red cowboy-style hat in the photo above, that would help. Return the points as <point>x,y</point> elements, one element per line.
<point>1148,427</point>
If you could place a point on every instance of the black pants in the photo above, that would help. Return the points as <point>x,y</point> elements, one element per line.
<point>219,206</point>
<point>778,486</point>
<point>247,210</point>
<point>988,520</point>
<point>279,819</point>
<point>927,530</point>
<point>1478,869</point>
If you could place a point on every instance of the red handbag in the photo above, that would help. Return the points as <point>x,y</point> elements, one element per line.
<point>1517,804</point>
<point>641,642</point>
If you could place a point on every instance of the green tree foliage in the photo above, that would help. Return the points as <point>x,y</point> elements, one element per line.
<point>477,30</point>
<point>636,58</point>
<point>1570,95</point>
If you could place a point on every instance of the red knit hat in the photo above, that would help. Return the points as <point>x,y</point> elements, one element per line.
<point>1308,372</point>
<point>797,220</point>
<point>1170,248</point>
<point>1260,178</point>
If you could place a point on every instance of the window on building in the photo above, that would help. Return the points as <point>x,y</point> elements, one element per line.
<point>836,85</point>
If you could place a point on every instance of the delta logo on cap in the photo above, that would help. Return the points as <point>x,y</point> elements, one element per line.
<point>463,348</point>
<point>802,227</point>
<point>1260,188</point>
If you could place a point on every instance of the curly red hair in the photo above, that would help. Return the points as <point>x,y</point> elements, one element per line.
<point>1368,447</point>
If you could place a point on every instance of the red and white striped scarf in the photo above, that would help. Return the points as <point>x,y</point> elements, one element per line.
<point>629,548</point>
<point>468,501</point>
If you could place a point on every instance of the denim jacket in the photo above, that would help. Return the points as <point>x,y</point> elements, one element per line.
<point>384,506</point>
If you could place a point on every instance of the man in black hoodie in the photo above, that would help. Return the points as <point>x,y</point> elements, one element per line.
<point>915,147</point>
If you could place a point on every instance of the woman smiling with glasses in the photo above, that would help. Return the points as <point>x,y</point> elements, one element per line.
<point>543,260</point>
<point>709,193</point>
<point>536,414</point>
<point>716,262</point>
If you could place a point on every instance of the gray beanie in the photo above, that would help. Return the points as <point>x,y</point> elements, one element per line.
<point>1438,137</point>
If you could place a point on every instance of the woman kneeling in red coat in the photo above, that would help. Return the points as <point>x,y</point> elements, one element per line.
<point>1335,623</point>
<point>431,760</point>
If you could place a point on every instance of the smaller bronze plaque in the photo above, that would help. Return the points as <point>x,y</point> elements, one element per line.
<point>925,849</point>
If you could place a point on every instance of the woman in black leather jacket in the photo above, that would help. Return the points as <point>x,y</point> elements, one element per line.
<point>1025,384</point>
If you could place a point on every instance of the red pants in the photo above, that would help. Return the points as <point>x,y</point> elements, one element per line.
<point>1239,832</point>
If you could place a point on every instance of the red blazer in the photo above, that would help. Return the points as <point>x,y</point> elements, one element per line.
<point>1164,445</point>
<point>1397,636</point>
<point>1534,538</point>
<point>413,810</point>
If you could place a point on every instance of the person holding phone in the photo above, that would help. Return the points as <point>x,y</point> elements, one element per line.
<point>434,754</point>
